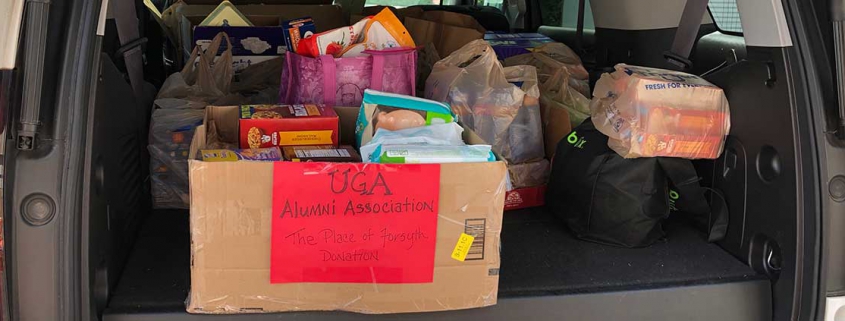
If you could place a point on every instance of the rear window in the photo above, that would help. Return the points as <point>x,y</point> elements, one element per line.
<point>401,3</point>
<point>407,3</point>
<point>725,15</point>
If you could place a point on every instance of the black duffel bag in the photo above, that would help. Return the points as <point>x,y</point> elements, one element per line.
<point>608,199</point>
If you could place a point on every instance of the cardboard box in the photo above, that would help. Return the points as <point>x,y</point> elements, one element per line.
<point>231,232</point>
<point>556,126</point>
<point>508,45</point>
<point>296,29</point>
<point>448,31</point>
<point>250,45</point>
<point>246,41</point>
<point>287,125</point>
<point>183,16</point>
<point>233,155</point>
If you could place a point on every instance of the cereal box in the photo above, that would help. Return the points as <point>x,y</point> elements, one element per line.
<point>287,125</point>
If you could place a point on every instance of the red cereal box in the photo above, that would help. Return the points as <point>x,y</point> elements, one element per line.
<point>287,125</point>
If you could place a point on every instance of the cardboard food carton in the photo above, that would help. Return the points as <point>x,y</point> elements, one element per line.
<point>508,45</point>
<point>650,112</point>
<point>246,41</point>
<point>448,31</point>
<point>238,245</point>
<point>183,16</point>
<point>297,29</point>
<point>250,45</point>
<point>287,125</point>
<point>341,154</point>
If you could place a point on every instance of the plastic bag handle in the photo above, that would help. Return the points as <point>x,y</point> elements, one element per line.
<point>214,79</point>
<point>190,68</point>
<point>214,47</point>
<point>329,80</point>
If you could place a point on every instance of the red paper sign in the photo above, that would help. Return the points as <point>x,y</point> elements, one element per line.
<point>353,222</point>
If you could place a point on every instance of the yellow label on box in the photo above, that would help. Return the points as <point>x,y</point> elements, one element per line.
<point>218,155</point>
<point>312,110</point>
<point>462,248</point>
<point>310,137</point>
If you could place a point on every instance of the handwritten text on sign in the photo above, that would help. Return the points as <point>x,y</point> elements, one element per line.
<point>336,222</point>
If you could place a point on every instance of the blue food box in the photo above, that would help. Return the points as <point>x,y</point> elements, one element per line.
<point>246,41</point>
<point>512,47</point>
<point>491,35</point>
<point>297,29</point>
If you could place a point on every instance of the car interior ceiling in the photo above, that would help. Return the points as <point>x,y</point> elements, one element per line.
<point>147,265</point>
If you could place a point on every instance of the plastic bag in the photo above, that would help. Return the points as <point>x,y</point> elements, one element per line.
<point>207,79</point>
<point>176,103</point>
<point>563,79</point>
<point>525,133</point>
<point>474,82</point>
<point>171,133</point>
<point>649,112</point>
<point>555,56</point>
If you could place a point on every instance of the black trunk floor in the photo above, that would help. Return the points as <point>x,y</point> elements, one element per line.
<point>539,257</point>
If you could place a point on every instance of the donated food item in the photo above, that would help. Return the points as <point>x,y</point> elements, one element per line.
<point>287,125</point>
<point>233,155</point>
<point>297,29</point>
<point>380,110</point>
<point>342,154</point>
<point>438,134</point>
<point>648,112</point>
<point>425,154</point>
<point>331,42</point>
<point>382,31</point>
<point>378,32</point>
<point>517,45</point>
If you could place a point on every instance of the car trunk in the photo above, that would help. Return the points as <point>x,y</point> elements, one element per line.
<point>545,270</point>
<point>539,258</point>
